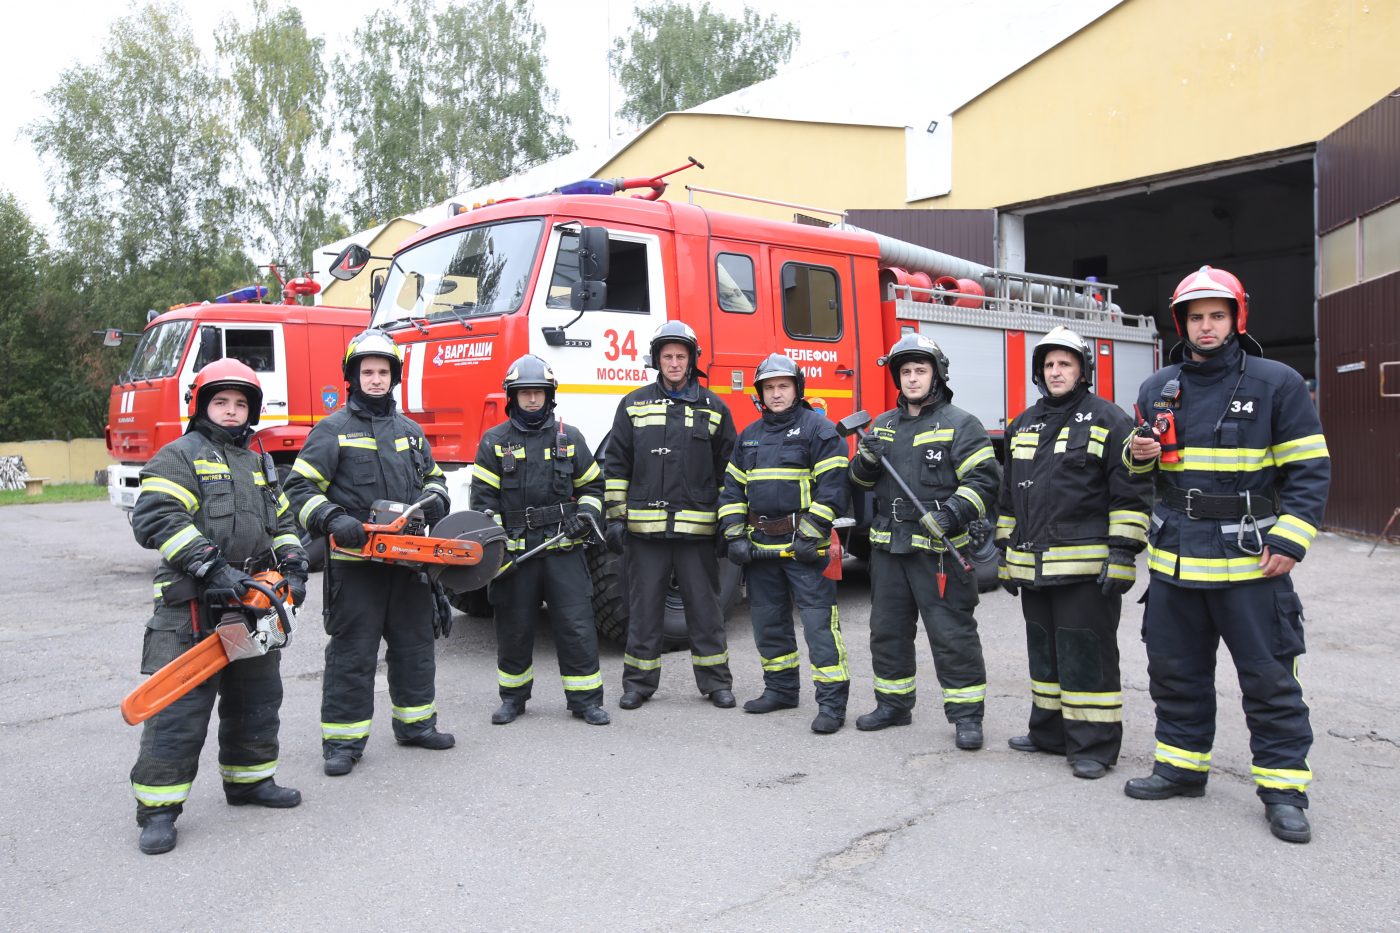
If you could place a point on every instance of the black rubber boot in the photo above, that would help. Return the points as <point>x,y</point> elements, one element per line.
<point>1088,768</point>
<point>265,794</point>
<point>968,734</point>
<point>1156,787</point>
<point>509,711</point>
<point>722,698</point>
<point>340,763</point>
<point>433,739</point>
<point>884,716</point>
<point>158,835</point>
<point>632,699</point>
<point>593,715</point>
<point>1286,822</point>
<point>767,703</point>
<point>828,720</point>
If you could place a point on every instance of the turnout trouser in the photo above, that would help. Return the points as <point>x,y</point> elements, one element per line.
<point>1076,691</point>
<point>650,564</point>
<point>1261,622</point>
<point>561,579</point>
<point>367,602</point>
<point>249,695</point>
<point>903,589</point>
<point>774,586</point>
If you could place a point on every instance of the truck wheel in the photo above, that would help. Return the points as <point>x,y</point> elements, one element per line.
<point>983,554</point>
<point>315,548</point>
<point>609,573</point>
<point>674,636</point>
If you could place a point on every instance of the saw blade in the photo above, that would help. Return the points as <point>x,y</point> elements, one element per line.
<point>471,526</point>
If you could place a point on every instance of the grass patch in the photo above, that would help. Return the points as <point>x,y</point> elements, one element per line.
<point>66,492</point>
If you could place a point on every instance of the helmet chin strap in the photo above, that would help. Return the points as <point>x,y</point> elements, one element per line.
<point>1208,354</point>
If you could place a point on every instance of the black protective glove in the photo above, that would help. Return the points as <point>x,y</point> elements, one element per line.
<point>740,552</point>
<point>228,578</point>
<point>442,612</point>
<point>947,519</point>
<point>576,527</point>
<point>616,535</point>
<point>434,510</point>
<point>1004,579</point>
<point>348,531</point>
<point>871,449</point>
<point>1119,572</point>
<point>805,550</point>
<point>297,584</point>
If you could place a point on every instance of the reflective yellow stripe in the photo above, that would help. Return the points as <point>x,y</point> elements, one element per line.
<point>974,497</point>
<point>1202,569</point>
<point>178,541</point>
<point>830,463</point>
<point>592,502</point>
<point>363,443</point>
<point>413,713</point>
<point>1045,695</point>
<point>823,511</point>
<point>1294,529</point>
<point>1126,523</point>
<point>174,490</point>
<point>785,474</point>
<point>283,504</point>
<point>345,730</point>
<point>287,540</point>
<point>939,436</point>
<point>1181,758</point>
<point>903,685</point>
<point>1222,460</point>
<point>486,476</point>
<point>212,469</point>
<point>1093,713</point>
<point>515,680</point>
<point>739,509</point>
<point>840,672</point>
<point>401,444</point>
<point>784,663</point>
<point>247,774</point>
<point>312,504</point>
<point>1110,698</point>
<point>592,681</point>
<point>641,664</point>
<point>589,475</point>
<point>258,478</point>
<point>1282,778</point>
<point>302,468</point>
<point>976,457</point>
<point>974,694</point>
<point>161,795</point>
<point>709,660</point>
<point>1312,447</point>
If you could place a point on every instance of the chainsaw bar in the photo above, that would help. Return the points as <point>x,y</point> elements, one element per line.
<point>478,528</point>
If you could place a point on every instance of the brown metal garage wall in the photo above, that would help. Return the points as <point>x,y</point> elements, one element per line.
<point>1358,327</point>
<point>1361,325</point>
<point>969,234</point>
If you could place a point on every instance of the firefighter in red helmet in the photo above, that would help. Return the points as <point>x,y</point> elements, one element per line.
<point>1238,504</point>
<point>209,507</point>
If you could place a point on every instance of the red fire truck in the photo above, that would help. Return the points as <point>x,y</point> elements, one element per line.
<point>295,349</point>
<point>581,278</point>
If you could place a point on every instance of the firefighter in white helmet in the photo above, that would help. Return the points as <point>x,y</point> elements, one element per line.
<point>363,452</point>
<point>1240,496</point>
<point>1071,520</point>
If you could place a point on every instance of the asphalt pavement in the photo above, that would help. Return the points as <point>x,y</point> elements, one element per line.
<point>678,816</point>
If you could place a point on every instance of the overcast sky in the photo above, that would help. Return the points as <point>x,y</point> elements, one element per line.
<point>51,35</point>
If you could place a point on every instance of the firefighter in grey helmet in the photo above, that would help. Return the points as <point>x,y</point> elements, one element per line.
<point>536,476</point>
<point>1071,520</point>
<point>945,455</point>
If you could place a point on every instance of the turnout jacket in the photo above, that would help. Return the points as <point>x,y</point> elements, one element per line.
<point>665,461</point>
<point>1066,495</point>
<point>204,498</point>
<point>786,464</point>
<point>945,456</point>
<point>353,457</point>
<point>520,468</point>
<point>1247,430</point>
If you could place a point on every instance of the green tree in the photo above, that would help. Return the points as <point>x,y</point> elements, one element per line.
<point>677,57</point>
<point>437,102</point>
<point>277,89</point>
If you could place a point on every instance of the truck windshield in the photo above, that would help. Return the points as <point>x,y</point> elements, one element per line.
<point>476,271</point>
<point>158,354</point>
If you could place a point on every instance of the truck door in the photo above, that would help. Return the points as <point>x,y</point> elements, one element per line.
<point>741,324</point>
<point>262,347</point>
<point>814,320</point>
<point>601,357</point>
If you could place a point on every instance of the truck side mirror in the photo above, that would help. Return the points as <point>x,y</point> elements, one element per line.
<point>376,285</point>
<point>349,262</point>
<point>112,337</point>
<point>588,296</point>
<point>209,347</point>
<point>593,253</point>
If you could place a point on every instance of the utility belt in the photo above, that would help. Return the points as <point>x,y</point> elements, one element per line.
<point>1199,505</point>
<point>543,516</point>
<point>904,510</point>
<point>777,527</point>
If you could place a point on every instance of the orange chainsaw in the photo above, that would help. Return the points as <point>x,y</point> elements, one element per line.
<point>463,553</point>
<point>248,628</point>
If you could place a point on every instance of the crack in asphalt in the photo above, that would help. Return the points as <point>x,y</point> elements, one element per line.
<point>106,707</point>
<point>1372,736</point>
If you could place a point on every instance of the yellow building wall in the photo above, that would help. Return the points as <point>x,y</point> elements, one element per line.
<point>355,292</point>
<point>1156,86</point>
<point>74,461</point>
<point>825,165</point>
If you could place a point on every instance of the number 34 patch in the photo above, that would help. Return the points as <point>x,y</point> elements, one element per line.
<point>1243,407</point>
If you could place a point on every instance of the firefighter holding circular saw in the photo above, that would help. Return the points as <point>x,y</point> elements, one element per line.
<point>537,477</point>
<point>1242,473</point>
<point>216,516</point>
<point>946,459</point>
<point>783,489</point>
<point>670,442</point>
<point>1072,519</point>
<point>361,453</point>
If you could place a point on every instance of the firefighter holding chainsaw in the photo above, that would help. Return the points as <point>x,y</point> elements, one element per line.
<point>945,456</point>
<point>670,442</point>
<point>1242,473</point>
<point>537,477</point>
<point>783,489</point>
<point>361,453</point>
<point>210,507</point>
<point>1072,519</point>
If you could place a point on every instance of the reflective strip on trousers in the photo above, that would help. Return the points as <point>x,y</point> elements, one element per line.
<point>1282,778</point>
<point>345,730</point>
<point>652,664</point>
<point>247,774</point>
<point>784,663</point>
<point>156,795</point>
<point>839,672</point>
<point>413,713</point>
<point>592,681</point>
<point>1094,707</point>
<point>974,694</point>
<point>515,680</point>
<point>1045,695</point>
<point>901,686</point>
<point>1182,758</point>
<point>709,660</point>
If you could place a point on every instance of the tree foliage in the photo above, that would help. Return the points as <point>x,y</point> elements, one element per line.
<point>438,102</point>
<point>276,86</point>
<point>677,57</point>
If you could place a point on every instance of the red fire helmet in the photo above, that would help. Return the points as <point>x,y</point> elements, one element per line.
<point>227,374</point>
<point>1209,282</point>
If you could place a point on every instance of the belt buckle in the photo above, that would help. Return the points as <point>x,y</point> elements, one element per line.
<point>529,520</point>
<point>1187,505</point>
<point>894,508</point>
